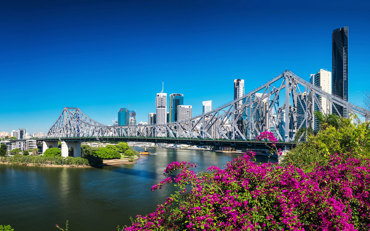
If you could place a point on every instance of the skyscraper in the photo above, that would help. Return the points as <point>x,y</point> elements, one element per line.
<point>184,112</point>
<point>131,117</point>
<point>322,79</point>
<point>175,100</point>
<point>123,117</point>
<point>152,118</point>
<point>238,90</point>
<point>161,108</point>
<point>207,106</point>
<point>22,133</point>
<point>340,66</point>
<point>239,93</point>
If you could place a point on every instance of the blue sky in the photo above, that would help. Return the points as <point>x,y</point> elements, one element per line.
<point>102,55</point>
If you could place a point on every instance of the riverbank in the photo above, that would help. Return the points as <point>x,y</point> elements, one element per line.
<point>61,162</point>
<point>118,162</point>
<point>45,165</point>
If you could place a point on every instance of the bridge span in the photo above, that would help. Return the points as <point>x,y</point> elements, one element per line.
<point>283,106</point>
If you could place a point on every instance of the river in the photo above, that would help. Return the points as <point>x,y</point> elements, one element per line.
<point>38,198</point>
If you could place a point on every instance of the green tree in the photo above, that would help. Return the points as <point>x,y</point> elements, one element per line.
<point>51,152</point>
<point>3,150</point>
<point>112,147</point>
<point>337,135</point>
<point>6,228</point>
<point>87,150</point>
<point>122,147</point>
<point>129,153</point>
<point>107,153</point>
<point>15,151</point>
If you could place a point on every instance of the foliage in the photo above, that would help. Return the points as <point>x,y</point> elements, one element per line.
<point>6,228</point>
<point>122,147</point>
<point>94,161</point>
<point>129,152</point>
<point>338,135</point>
<point>3,150</point>
<point>250,196</point>
<point>112,147</point>
<point>33,151</point>
<point>131,159</point>
<point>26,153</point>
<point>107,153</point>
<point>44,160</point>
<point>87,150</point>
<point>52,152</point>
<point>15,151</point>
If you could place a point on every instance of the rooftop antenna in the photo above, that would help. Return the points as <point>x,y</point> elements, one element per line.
<point>162,87</point>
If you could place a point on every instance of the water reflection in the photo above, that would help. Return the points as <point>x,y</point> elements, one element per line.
<point>92,199</point>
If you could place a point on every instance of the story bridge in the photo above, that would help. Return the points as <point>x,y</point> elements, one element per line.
<point>283,106</point>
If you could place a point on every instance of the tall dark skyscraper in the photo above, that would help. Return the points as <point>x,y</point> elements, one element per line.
<point>340,66</point>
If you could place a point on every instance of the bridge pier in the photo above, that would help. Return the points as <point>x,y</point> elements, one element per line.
<point>74,147</point>
<point>48,144</point>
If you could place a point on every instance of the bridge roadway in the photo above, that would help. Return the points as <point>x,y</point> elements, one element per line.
<point>249,144</point>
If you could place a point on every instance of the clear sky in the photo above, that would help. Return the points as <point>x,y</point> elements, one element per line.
<point>100,55</point>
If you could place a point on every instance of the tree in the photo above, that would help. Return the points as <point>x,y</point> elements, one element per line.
<point>337,135</point>
<point>87,150</point>
<point>112,147</point>
<point>122,147</point>
<point>6,228</point>
<point>52,152</point>
<point>107,153</point>
<point>15,151</point>
<point>26,153</point>
<point>129,153</point>
<point>3,150</point>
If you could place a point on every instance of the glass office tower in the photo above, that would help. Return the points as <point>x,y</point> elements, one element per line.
<point>176,99</point>
<point>340,67</point>
<point>123,117</point>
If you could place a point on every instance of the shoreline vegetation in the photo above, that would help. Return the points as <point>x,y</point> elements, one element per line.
<point>110,155</point>
<point>322,184</point>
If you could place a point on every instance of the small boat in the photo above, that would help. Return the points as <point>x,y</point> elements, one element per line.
<point>144,152</point>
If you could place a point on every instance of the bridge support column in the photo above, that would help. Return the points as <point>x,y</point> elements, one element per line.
<point>75,149</point>
<point>48,144</point>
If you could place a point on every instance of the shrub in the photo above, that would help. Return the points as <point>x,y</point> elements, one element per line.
<point>52,152</point>
<point>6,228</point>
<point>250,196</point>
<point>107,153</point>
<point>122,147</point>
<point>25,153</point>
<point>129,152</point>
<point>347,138</point>
<point>15,151</point>
<point>94,161</point>
<point>3,150</point>
<point>87,150</point>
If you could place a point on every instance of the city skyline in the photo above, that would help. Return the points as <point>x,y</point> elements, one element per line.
<point>101,69</point>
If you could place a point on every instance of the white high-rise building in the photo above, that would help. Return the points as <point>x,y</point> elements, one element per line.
<point>161,108</point>
<point>322,79</point>
<point>238,91</point>
<point>15,134</point>
<point>184,112</point>
<point>207,106</point>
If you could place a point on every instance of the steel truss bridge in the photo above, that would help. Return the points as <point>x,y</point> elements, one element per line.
<point>283,105</point>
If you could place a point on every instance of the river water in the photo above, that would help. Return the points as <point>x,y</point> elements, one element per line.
<point>38,198</point>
